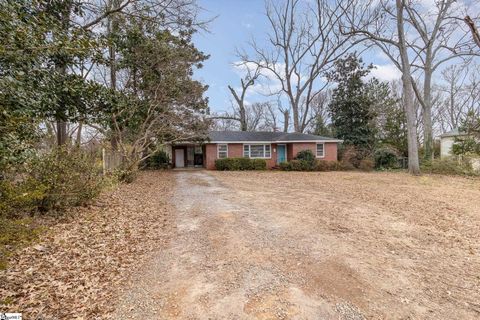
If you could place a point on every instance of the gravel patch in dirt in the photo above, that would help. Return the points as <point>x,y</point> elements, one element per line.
<point>81,265</point>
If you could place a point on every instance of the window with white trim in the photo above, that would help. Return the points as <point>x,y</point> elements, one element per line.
<point>262,151</point>
<point>222,151</point>
<point>320,150</point>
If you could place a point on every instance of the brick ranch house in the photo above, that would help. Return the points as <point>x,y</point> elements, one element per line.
<point>274,147</point>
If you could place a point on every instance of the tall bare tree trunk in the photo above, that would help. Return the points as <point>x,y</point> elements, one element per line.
<point>296,118</point>
<point>427,113</point>
<point>408,94</point>
<point>286,120</point>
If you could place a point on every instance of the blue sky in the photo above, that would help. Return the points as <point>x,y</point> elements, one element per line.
<point>236,23</point>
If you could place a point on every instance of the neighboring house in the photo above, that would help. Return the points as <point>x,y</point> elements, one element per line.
<point>446,142</point>
<point>274,147</point>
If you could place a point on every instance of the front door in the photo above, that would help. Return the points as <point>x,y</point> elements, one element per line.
<point>179,158</point>
<point>281,153</point>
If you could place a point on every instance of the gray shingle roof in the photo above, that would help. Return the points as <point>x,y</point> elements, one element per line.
<point>264,136</point>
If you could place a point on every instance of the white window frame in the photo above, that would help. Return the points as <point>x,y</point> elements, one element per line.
<point>323,150</point>
<point>257,144</point>
<point>218,150</point>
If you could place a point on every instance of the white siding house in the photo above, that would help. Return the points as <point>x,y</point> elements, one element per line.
<point>446,142</point>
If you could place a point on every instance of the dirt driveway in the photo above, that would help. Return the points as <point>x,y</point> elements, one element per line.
<point>277,245</point>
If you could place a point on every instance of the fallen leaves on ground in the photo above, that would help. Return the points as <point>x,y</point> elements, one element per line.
<point>78,267</point>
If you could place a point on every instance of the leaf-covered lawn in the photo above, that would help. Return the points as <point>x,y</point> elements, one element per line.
<point>77,267</point>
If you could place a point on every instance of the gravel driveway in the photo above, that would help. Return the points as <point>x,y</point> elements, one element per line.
<point>276,245</point>
<point>230,261</point>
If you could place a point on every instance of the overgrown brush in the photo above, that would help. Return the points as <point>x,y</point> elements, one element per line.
<point>51,182</point>
<point>449,166</point>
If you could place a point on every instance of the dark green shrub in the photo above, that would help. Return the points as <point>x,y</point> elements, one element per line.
<point>386,158</point>
<point>221,164</point>
<point>285,166</point>
<point>259,164</point>
<point>305,155</point>
<point>317,165</point>
<point>302,165</point>
<point>449,166</point>
<point>366,165</point>
<point>233,164</point>
<point>158,160</point>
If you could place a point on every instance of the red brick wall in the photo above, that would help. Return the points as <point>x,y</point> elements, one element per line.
<point>235,150</point>
<point>330,150</point>
<point>297,147</point>
<point>210,156</point>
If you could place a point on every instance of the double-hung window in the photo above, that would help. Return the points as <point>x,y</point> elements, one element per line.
<point>222,151</point>
<point>262,151</point>
<point>320,150</point>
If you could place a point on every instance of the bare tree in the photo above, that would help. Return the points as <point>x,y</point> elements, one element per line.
<point>435,37</point>
<point>439,39</point>
<point>246,82</point>
<point>255,115</point>
<point>305,39</point>
<point>460,96</point>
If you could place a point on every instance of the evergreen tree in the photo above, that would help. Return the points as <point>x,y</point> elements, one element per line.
<point>354,104</point>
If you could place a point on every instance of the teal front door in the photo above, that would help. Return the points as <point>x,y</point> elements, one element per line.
<point>281,153</point>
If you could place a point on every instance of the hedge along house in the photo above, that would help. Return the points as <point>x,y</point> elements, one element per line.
<point>274,147</point>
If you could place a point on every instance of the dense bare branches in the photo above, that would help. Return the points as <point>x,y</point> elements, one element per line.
<point>303,40</point>
<point>459,96</point>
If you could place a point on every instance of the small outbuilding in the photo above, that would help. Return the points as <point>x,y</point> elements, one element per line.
<point>446,142</point>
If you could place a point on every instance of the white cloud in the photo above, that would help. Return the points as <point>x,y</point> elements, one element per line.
<point>386,72</point>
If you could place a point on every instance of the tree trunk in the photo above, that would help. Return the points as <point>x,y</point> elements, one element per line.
<point>61,131</point>
<point>243,117</point>
<point>408,94</point>
<point>78,141</point>
<point>286,120</point>
<point>112,27</point>
<point>296,120</point>
<point>61,68</point>
<point>427,109</point>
